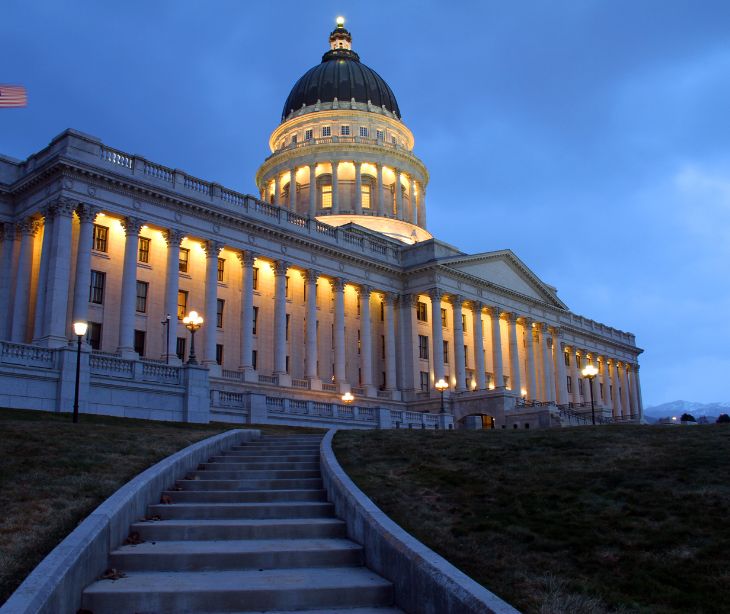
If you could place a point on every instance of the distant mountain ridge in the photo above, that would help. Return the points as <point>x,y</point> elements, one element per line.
<point>677,408</point>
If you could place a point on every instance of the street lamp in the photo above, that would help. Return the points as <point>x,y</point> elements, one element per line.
<point>166,324</point>
<point>441,385</point>
<point>80,330</point>
<point>590,372</point>
<point>347,398</point>
<point>192,322</point>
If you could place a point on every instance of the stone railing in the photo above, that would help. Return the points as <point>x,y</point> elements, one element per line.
<point>26,355</point>
<point>156,372</point>
<point>111,366</point>
<point>269,379</point>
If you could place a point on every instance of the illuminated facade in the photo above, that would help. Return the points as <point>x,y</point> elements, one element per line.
<point>325,283</point>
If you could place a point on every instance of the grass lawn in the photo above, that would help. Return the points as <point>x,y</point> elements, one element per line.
<point>54,473</point>
<point>582,520</point>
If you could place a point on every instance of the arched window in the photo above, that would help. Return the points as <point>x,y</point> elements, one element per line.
<point>324,187</point>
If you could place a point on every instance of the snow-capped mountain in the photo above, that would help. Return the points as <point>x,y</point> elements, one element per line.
<point>677,408</point>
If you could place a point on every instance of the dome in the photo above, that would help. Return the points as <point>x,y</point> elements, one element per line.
<point>340,75</point>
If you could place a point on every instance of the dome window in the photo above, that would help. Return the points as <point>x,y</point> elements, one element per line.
<point>344,130</point>
<point>308,135</point>
<point>326,131</point>
<point>293,139</point>
<point>380,135</point>
<point>363,132</point>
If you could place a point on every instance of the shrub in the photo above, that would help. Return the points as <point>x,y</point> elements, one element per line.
<point>723,419</point>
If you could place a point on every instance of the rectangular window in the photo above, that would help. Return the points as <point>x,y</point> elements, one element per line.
<point>359,341</point>
<point>326,196</point>
<point>180,347</point>
<point>326,131</point>
<point>286,365</point>
<point>219,313</point>
<point>421,312</point>
<point>344,130</point>
<point>446,352</point>
<point>286,334</point>
<point>184,257</point>
<point>393,140</point>
<point>610,391</point>
<point>219,353</point>
<point>463,322</point>
<point>293,139</point>
<point>255,278</point>
<point>142,290</point>
<point>570,384</point>
<point>424,380</point>
<point>365,196</point>
<point>221,268</point>
<point>182,303</point>
<point>96,287</point>
<point>93,335</point>
<point>423,347</point>
<point>286,287</point>
<point>567,358</point>
<point>143,250</point>
<point>308,134</point>
<point>382,346</point>
<point>600,391</point>
<point>466,356</point>
<point>363,132</point>
<point>580,386</point>
<point>444,323</point>
<point>579,361</point>
<point>254,359</point>
<point>380,135</point>
<point>255,319</point>
<point>382,311</point>
<point>139,338</point>
<point>101,238</point>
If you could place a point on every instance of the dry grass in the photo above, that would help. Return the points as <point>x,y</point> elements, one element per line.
<point>588,520</point>
<point>54,473</point>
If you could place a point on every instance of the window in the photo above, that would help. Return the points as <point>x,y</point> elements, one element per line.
<point>421,312</point>
<point>423,347</point>
<point>326,131</point>
<point>255,319</point>
<point>579,361</point>
<point>610,391</point>
<point>344,130</point>
<point>364,132</point>
<point>143,250</point>
<point>255,278</point>
<point>379,134</point>
<point>600,391</point>
<point>293,142</point>
<point>326,196</point>
<point>446,352</point>
<point>286,333</point>
<point>393,140</point>
<point>219,313</point>
<point>359,341</point>
<point>463,322</point>
<point>254,359</point>
<point>139,338</point>
<point>142,290</point>
<point>580,387</point>
<point>567,359</point>
<point>96,287</point>
<point>182,303</point>
<point>180,348</point>
<point>424,379</point>
<point>101,238</point>
<point>382,346</point>
<point>382,311</point>
<point>444,322</point>
<point>308,135</point>
<point>570,384</point>
<point>365,196</point>
<point>184,256</point>
<point>219,353</point>
<point>286,287</point>
<point>93,335</point>
<point>466,356</point>
<point>221,268</point>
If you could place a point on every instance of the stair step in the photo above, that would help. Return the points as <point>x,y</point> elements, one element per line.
<point>236,554</point>
<point>252,458</point>
<point>250,484</point>
<point>243,496</point>
<point>290,447</point>
<point>259,528</point>
<point>272,509</point>
<point>244,465</point>
<point>167,592</point>
<point>266,474</point>
<point>373,610</point>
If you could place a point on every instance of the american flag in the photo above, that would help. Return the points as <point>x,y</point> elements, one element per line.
<point>13,96</point>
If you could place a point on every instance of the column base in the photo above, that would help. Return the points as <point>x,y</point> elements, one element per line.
<point>315,383</point>
<point>214,369</point>
<point>395,395</point>
<point>53,342</point>
<point>344,387</point>
<point>128,353</point>
<point>284,379</point>
<point>171,359</point>
<point>371,391</point>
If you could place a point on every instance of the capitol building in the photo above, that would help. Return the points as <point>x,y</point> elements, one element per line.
<point>326,298</point>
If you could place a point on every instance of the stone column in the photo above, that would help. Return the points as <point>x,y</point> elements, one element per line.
<point>366,342</point>
<point>479,345</point>
<point>408,366</point>
<point>358,188</point>
<point>280,268</point>
<point>414,205</point>
<point>210,328</point>
<point>86,215</point>
<point>21,303</point>
<point>277,190</point>
<point>575,374</point>
<point>127,308</point>
<point>312,190</point>
<point>438,335</point>
<point>459,358</point>
<point>390,355</point>
<point>605,376</point>
<point>623,376</point>
<point>532,392</point>
<point>514,357</point>
<point>547,363</point>
<point>380,190</point>
<point>173,238</point>
<point>335,189</point>
<point>40,324</point>
<point>7,234</point>
<point>632,391</point>
<point>422,207</point>
<point>338,287</point>
<point>637,388</point>
<point>617,407</point>
<point>559,356</point>
<point>246,361</point>
<point>497,348</point>
<point>398,195</point>
<point>310,278</point>
<point>293,189</point>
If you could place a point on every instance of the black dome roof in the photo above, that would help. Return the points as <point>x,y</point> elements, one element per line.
<point>341,75</point>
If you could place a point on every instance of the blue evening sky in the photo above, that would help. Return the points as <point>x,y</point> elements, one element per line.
<point>590,137</point>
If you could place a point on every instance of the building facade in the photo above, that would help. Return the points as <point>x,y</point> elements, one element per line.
<point>327,282</point>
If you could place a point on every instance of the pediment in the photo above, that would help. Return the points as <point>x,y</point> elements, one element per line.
<point>504,269</point>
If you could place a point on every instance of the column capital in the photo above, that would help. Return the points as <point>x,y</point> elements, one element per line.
<point>212,248</point>
<point>557,332</point>
<point>512,317</point>
<point>338,284</point>
<point>173,236</point>
<point>246,258</point>
<point>391,297</point>
<point>29,226</point>
<point>311,275</point>
<point>280,267</point>
<point>477,307</point>
<point>457,300</point>
<point>365,290</point>
<point>132,225</point>
<point>87,213</point>
<point>527,322</point>
<point>61,206</point>
<point>436,294</point>
<point>636,367</point>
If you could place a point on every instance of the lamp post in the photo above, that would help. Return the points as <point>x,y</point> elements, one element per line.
<point>192,322</point>
<point>80,330</point>
<point>347,398</point>
<point>441,385</point>
<point>590,372</point>
<point>166,324</point>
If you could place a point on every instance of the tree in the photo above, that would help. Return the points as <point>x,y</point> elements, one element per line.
<point>688,418</point>
<point>723,419</point>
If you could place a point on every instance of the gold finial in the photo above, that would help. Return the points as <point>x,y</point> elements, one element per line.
<point>340,21</point>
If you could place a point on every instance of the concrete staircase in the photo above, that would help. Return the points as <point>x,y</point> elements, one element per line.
<point>250,531</point>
